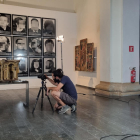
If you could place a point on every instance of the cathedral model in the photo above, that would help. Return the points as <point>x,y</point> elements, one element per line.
<point>9,70</point>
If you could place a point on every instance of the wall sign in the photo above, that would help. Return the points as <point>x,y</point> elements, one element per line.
<point>131,48</point>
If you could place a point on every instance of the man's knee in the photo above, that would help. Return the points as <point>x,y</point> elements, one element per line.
<point>55,93</point>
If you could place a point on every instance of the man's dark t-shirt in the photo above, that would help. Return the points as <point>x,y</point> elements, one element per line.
<point>69,87</point>
<point>7,29</point>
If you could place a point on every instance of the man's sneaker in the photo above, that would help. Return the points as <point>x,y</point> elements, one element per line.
<point>73,108</point>
<point>64,109</point>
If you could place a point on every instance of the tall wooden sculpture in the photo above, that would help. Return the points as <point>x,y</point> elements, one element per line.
<point>9,70</point>
<point>83,49</point>
<point>90,47</point>
<point>84,56</point>
<point>77,58</point>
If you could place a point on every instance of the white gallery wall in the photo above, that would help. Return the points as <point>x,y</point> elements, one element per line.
<point>56,5</point>
<point>105,17</point>
<point>111,41</point>
<point>130,38</point>
<point>65,25</point>
<point>88,26</point>
<point>116,39</point>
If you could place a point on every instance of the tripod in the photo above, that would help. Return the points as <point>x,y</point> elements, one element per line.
<point>42,90</point>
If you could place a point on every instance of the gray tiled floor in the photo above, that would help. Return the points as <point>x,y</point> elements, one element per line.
<point>95,117</point>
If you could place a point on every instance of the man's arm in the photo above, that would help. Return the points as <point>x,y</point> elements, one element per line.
<point>60,85</point>
<point>52,81</point>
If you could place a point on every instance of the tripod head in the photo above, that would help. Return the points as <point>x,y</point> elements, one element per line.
<point>43,82</point>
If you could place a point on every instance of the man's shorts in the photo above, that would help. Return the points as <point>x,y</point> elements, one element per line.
<point>68,100</point>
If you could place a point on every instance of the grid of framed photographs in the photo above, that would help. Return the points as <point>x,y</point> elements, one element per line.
<point>32,40</point>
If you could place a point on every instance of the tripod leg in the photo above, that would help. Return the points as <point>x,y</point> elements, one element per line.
<point>42,98</point>
<point>50,103</point>
<point>45,88</point>
<point>36,100</point>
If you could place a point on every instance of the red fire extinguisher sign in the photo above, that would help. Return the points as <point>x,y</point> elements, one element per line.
<point>131,48</point>
<point>133,75</point>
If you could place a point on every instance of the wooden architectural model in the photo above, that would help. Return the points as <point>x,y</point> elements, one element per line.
<point>9,70</point>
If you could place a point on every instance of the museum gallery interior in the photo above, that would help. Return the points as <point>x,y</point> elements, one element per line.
<point>96,45</point>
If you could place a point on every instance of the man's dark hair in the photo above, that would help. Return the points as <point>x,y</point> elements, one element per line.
<point>3,15</point>
<point>38,42</point>
<point>22,67</point>
<point>32,64</point>
<point>18,19</point>
<point>40,63</point>
<point>18,40</point>
<point>34,19</point>
<point>49,41</point>
<point>8,41</point>
<point>58,73</point>
<point>51,63</point>
<point>49,23</point>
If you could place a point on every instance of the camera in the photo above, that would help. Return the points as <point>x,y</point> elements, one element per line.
<point>42,77</point>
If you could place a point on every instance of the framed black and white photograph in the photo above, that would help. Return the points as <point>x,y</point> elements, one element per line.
<point>34,25</point>
<point>19,25</point>
<point>49,65</point>
<point>5,58</point>
<point>35,46</point>
<point>5,24</point>
<point>5,46</point>
<point>35,66</point>
<point>49,47</point>
<point>20,46</point>
<point>49,27</point>
<point>23,66</point>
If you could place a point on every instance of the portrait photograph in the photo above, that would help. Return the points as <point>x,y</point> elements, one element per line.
<point>5,58</point>
<point>19,25</point>
<point>23,66</point>
<point>5,24</point>
<point>5,46</point>
<point>49,65</point>
<point>35,46</point>
<point>35,66</point>
<point>34,25</point>
<point>49,47</point>
<point>49,27</point>
<point>20,46</point>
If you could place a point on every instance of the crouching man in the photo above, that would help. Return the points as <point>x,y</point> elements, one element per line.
<point>66,99</point>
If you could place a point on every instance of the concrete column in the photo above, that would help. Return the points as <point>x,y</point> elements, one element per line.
<point>119,27</point>
<point>105,25</point>
<point>111,40</point>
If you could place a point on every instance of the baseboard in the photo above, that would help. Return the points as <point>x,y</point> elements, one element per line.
<point>85,87</point>
<point>12,87</point>
<point>117,89</point>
